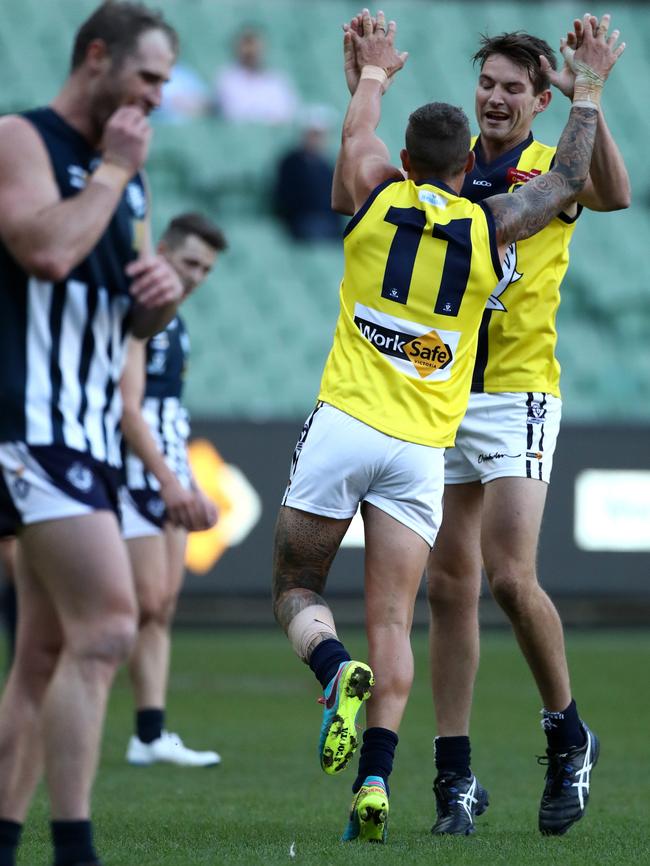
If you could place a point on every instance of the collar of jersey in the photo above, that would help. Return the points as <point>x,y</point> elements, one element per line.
<point>505,158</point>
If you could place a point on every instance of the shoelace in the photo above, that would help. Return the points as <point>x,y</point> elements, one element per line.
<point>559,774</point>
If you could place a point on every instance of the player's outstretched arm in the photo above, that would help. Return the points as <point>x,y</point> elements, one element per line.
<point>535,204</point>
<point>364,160</point>
<point>608,186</point>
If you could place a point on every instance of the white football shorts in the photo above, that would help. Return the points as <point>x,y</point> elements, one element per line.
<point>339,462</point>
<point>141,516</point>
<point>506,435</point>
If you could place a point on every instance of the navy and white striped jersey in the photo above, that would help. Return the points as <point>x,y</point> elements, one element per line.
<point>62,345</point>
<point>167,354</point>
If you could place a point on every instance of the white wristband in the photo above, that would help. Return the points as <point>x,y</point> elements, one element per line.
<point>377,73</point>
<point>585,103</point>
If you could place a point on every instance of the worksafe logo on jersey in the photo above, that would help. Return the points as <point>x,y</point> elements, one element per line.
<point>416,350</point>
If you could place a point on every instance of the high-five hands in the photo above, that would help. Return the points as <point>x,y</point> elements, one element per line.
<point>368,41</point>
<point>599,54</point>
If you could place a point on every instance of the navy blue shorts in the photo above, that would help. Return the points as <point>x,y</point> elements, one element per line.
<point>50,482</point>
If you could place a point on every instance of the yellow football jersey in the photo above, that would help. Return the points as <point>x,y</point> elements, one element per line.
<point>420,263</point>
<point>517,338</point>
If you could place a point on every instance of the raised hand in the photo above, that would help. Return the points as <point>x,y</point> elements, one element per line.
<point>360,27</point>
<point>564,79</point>
<point>595,55</point>
<point>373,44</point>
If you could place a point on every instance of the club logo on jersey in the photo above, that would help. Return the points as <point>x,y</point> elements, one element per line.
<point>80,476</point>
<point>416,350</point>
<point>137,200</point>
<point>77,176</point>
<point>481,183</point>
<point>517,175</point>
<point>510,275</point>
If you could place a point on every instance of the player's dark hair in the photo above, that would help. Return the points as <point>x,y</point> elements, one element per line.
<point>194,224</point>
<point>438,139</point>
<point>524,50</point>
<point>119,25</point>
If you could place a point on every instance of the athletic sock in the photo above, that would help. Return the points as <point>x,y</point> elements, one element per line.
<point>377,754</point>
<point>452,755</point>
<point>73,843</point>
<point>9,838</point>
<point>563,729</point>
<point>326,658</point>
<point>149,724</point>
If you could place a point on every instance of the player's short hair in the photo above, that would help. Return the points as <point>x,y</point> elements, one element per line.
<point>524,50</point>
<point>438,139</point>
<point>193,224</point>
<point>119,24</point>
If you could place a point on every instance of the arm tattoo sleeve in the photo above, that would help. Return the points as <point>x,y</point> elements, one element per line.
<point>536,203</point>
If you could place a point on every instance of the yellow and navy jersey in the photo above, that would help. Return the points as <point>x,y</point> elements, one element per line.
<point>517,337</point>
<point>419,265</point>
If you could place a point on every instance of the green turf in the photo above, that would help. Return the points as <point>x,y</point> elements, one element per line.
<point>243,693</point>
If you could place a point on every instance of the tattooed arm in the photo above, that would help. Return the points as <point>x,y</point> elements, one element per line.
<point>535,204</point>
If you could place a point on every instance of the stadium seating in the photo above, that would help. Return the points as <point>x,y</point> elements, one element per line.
<point>262,325</point>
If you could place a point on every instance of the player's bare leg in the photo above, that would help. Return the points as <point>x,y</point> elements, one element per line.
<point>38,643</point>
<point>512,517</point>
<point>395,560</point>
<point>453,589</point>
<point>81,562</point>
<point>158,566</point>
<point>305,546</point>
<point>396,557</point>
<point>149,662</point>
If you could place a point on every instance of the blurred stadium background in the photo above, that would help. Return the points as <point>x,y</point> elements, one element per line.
<point>262,325</point>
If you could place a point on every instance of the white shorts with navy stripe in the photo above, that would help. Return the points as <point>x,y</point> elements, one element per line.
<point>505,435</point>
<point>340,462</point>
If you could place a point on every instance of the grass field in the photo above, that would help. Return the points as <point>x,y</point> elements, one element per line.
<point>243,693</point>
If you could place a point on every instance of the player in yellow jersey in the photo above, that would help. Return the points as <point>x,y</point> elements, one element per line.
<point>420,263</point>
<point>497,475</point>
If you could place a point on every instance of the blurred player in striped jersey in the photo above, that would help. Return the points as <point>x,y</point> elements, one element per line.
<point>162,502</point>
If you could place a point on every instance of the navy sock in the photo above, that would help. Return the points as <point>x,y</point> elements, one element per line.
<point>73,843</point>
<point>452,755</point>
<point>563,729</point>
<point>9,838</point>
<point>326,658</point>
<point>377,754</point>
<point>149,724</point>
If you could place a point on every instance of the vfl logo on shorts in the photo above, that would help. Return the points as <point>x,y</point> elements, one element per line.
<point>21,486</point>
<point>412,348</point>
<point>156,507</point>
<point>80,476</point>
<point>536,412</point>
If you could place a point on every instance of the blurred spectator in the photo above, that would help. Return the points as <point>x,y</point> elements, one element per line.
<point>246,91</point>
<point>303,185</point>
<point>185,97</point>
